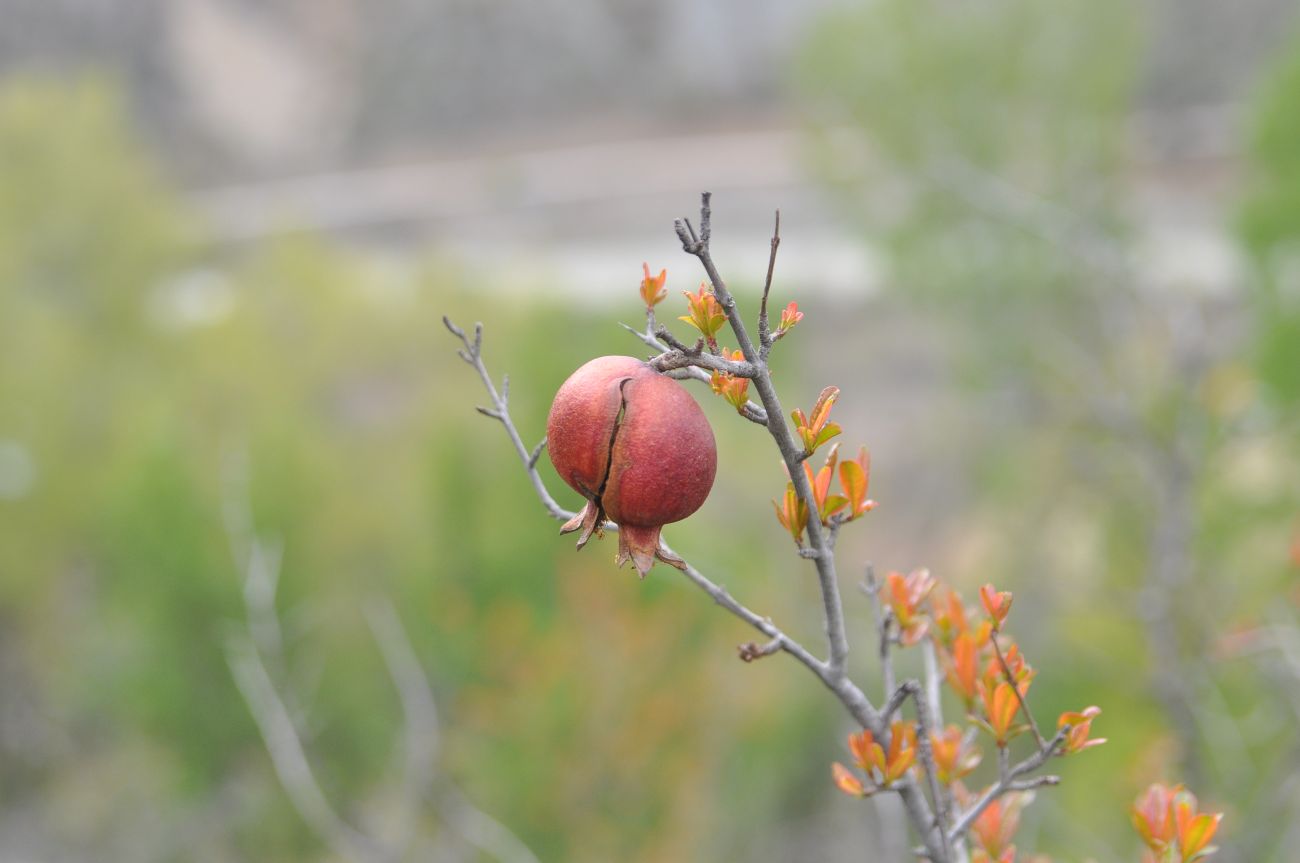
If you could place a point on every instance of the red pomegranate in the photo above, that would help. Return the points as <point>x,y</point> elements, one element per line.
<point>639,449</point>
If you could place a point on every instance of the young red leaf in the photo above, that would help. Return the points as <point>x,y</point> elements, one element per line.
<point>790,316</point>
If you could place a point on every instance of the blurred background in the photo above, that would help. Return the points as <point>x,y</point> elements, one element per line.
<point>1049,251</point>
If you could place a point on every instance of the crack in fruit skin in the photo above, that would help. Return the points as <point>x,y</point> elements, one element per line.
<point>642,442</point>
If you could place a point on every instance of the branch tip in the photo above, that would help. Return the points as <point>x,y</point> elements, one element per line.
<point>455,330</point>
<point>536,453</point>
<point>751,652</point>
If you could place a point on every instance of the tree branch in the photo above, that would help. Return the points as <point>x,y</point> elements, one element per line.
<point>718,593</point>
<point>420,729</point>
<point>290,760</point>
<point>677,359</point>
<point>822,553</point>
<point>831,672</point>
<point>791,453</point>
<point>1015,688</point>
<point>884,622</point>
<point>246,655</point>
<point>924,723</point>
<point>751,411</point>
<point>1007,782</point>
<point>764,327</point>
<point>472,354</point>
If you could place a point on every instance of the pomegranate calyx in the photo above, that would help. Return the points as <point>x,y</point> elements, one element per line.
<point>591,519</point>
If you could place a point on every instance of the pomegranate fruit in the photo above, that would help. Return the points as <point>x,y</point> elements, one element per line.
<point>636,445</point>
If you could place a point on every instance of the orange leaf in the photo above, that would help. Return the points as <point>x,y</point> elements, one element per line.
<point>847,782</point>
<point>822,408</point>
<point>866,751</point>
<point>792,513</point>
<point>790,316</point>
<point>1080,727</point>
<point>1153,817</point>
<point>652,287</point>
<point>706,314</point>
<point>996,604</point>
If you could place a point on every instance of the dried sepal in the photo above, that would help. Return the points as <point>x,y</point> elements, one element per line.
<point>591,519</point>
<point>641,545</point>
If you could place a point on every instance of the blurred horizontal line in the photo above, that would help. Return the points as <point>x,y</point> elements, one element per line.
<point>458,188</point>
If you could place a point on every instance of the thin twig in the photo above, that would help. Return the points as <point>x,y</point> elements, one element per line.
<point>923,721</point>
<point>290,760</point>
<point>420,712</point>
<point>716,592</point>
<point>1034,782</point>
<point>751,411</point>
<point>536,454</point>
<point>824,559</point>
<point>665,335</point>
<point>884,625</point>
<point>776,426</point>
<point>933,681</point>
<point>764,327</point>
<point>1005,783</point>
<point>480,829</point>
<point>1015,687</point>
<point>247,655</point>
<point>832,672</point>
<point>472,354</point>
<point>932,707</point>
<point>896,700</point>
<point>750,652</point>
<point>677,359</point>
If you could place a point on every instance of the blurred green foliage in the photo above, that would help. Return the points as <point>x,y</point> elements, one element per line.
<point>145,372</point>
<point>1270,223</point>
<point>1115,441</point>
